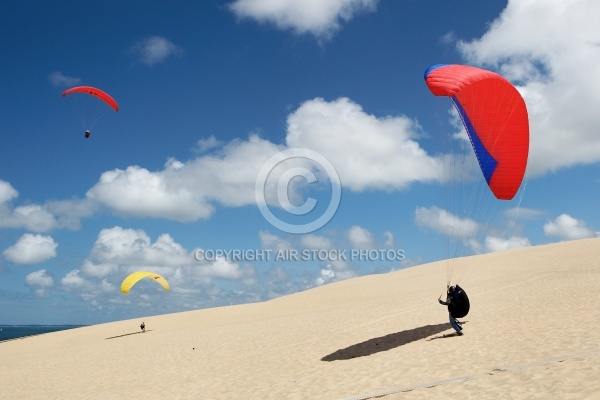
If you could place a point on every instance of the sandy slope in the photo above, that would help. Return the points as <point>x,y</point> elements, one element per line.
<point>533,332</point>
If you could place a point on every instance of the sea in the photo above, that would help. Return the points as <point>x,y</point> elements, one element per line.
<point>10,332</point>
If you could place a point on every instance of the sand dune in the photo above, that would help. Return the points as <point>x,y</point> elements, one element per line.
<point>532,333</point>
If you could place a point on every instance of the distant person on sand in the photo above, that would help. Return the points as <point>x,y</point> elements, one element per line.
<point>452,301</point>
<point>143,327</point>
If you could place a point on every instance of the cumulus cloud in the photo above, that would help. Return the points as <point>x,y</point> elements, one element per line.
<point>225,269</point>
<point>378,153</point>
<point>155,49</point>
<point>566,227</point>
<point>32,217</point>
<point>7,192</point>
<point>31,249</point>
<point>119,249</point>
<point>389,239</point>
<point>205,144</point>
<point>361,238</point>
<point>493,243</point>
<point>72,279</point>
<point>138,192</point>
<point>327,275</point>
<point>321,18</point>
<point>315,242</point>
<point>273,242</point>
<point>39,278</point>
<point>40,218</point>
<point>546,47</point>
<point>68,213</point>
<point>186,191</point>
<point>442,221</point>
<point>40,282</point>
<point>57,78</point>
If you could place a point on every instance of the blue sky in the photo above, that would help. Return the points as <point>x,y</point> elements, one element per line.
<point>209,91</point>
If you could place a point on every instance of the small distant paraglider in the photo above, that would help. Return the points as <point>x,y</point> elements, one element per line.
<point>132,279</point>
<point>90,120</point>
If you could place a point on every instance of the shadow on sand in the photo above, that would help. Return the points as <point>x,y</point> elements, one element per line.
<point>387,342</point>
<point>446,335</point>
<point>127,334</point>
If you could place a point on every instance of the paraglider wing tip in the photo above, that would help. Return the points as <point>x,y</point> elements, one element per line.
<point>431,68</point>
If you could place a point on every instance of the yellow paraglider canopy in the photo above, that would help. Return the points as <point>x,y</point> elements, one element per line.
<point>132,279</point>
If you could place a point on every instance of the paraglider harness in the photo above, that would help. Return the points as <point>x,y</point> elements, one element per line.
<point>457,302</point>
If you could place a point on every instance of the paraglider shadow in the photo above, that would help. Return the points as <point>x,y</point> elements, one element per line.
<point>385,343</point>
<point>446,335</point>
<point>126,334</point>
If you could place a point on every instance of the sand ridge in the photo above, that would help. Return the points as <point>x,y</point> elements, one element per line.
<point>532,333</point>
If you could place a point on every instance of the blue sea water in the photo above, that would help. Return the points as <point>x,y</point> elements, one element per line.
<point>8,332</point>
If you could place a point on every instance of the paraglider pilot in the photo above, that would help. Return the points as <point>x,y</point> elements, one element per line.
<point>87,134</point>
<point>452,300</point>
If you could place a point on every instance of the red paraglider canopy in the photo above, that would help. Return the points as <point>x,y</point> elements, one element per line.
<point>94,92</point>
<point>495,117</point>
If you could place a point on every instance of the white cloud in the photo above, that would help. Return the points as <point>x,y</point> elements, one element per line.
<point>72,280</point>
<point>31,249</point>
<point>273,242</point>
<point>225,269</point>
<point>336,270</point>
<point>568,228</point>
<point>68,213</point>
<point>327,275</point>
<point>389,239</point>
<point>321,18</point>
<point>205,144</point>
<point>493,243</point>
<point>155,49</point>
<point>119,249</point>
<point>361,238</point>
<point>186,191</point>
<point>89,290</point>
<point>40,279</point>
<point>446,223</point>
<point>40,282</point>
<point>7,192</point>
<point>315,242</point>
<point>523,213</point>
<point>547,47</point>
<point>32,217</point>
<point>278,274</point>
<point>141,193</point>
<point>57,78</point>
<point>377,153</point>
<point>40,218</point>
